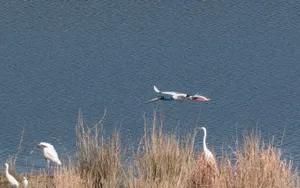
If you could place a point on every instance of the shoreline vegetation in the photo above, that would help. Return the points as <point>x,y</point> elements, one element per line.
<point>161,160</point>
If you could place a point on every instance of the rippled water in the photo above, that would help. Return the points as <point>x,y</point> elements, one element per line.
<point>59,57</point>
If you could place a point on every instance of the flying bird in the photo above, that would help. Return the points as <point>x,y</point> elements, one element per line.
<point>49,152</point>
<point>10,178</point>
<point>178,96</point>
<point>25,182</point>
<point>163,98</point>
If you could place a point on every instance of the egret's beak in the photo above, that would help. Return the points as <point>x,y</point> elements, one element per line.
<point>39,147</point>
<point>153,100</point>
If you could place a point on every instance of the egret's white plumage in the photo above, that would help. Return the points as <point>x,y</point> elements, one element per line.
<point>25,182</point>
<point>179,96</point>
<point>208,156</point>
<point>10,178</point>
<point>49,152</point>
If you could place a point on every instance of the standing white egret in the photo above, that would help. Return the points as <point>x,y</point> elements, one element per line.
<point>49,153</point>
<point>24,182</point>
<point>10,178</point>
<point>208,156</point>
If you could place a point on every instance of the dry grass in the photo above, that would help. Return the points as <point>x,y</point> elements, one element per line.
<point>13,159</point>
<point>99,159</point>
<point>68,177</point>
<point>257,165</point>
<point>40,179</point>
<point>161,160</point>
<point>165,160</point>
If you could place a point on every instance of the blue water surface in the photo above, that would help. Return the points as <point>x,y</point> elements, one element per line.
<point>59,57</point>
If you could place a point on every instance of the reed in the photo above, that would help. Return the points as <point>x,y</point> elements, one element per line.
<point>161,160</point>
<point>164,160</point>
<point>68,177</point>
<point>99,159</point>
<point>257,165</point>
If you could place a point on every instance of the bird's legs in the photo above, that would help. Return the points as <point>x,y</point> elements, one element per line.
<point>48,164</point>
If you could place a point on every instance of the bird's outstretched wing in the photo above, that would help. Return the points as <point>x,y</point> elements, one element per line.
<point>199,98</point>
<point>166,92</point>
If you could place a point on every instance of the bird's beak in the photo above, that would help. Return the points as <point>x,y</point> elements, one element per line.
<point>153,100</point>
<point>39,147</point>
<point>203,100</point>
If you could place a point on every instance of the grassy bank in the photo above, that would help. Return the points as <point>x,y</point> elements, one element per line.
<point>164,160</point>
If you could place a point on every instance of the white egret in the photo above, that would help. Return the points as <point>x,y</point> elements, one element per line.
<point>25,182</point>
<point>208,156</point>
<point>178,96</point>
<point>49,152</point>
<point>10,178</point>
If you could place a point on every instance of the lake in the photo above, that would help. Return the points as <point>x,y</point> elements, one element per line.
<point>64,56</point>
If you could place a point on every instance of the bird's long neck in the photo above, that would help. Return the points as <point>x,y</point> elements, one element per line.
<point>204,140</point>
<point>6,171</point>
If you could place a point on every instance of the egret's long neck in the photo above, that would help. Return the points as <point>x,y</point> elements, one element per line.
<point>204,140</point>
<point>6,171</point>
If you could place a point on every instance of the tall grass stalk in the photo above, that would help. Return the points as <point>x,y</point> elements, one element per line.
<point>165,160</point>
<point>161,160</point>
<point>99,159</point>
<point>13,159</point>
